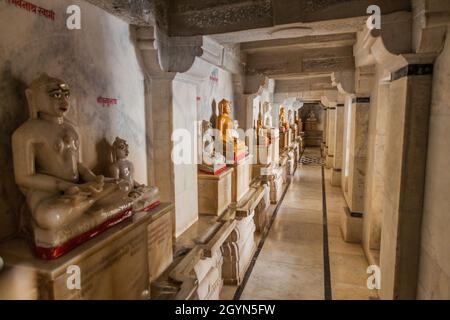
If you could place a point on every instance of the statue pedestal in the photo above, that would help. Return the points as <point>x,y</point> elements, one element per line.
<point>274,137</point>
<point>284,167</point>
<point>264,154</point>
<point>261,217</point>
<point>241,178</point>
<point>212,169</point>
<point>273,175</point>
<point>296,151</point>
<point>294,132</point>
<point>240,246</point>
<point>214,192</point>
<point>197,274</point>
<point>285,140</point>
<point>118,264</point>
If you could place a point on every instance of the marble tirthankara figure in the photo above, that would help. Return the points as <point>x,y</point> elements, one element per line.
<point>211,161</point>
<point>67,201</point>
<point>122,171</point>
<point>228,133</point>
<point>311,121</point>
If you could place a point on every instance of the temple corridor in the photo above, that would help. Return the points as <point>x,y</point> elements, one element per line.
<point>291,263</point>
<point>225,150</point>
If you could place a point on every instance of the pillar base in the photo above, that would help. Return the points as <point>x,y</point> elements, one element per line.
<point>351,226</point>
<point>336,177</point>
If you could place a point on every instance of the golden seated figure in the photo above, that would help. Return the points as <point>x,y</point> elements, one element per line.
<point>284,124</point>
<point>228,132</point>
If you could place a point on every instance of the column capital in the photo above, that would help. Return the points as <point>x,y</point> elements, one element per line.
<point>163,54</point>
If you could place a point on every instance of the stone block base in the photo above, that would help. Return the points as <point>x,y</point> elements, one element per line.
<point>118,264</point>
<point>238,251</point>
<point>197,273</point>
<point>214,192</point>
<point>241,178</point>
<point>262,212</point>
<point>336,177</point>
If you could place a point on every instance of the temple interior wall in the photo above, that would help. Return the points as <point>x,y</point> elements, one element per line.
<point>101,63</point>
<point>434,272</point>
<point>195,101</point>
<point>218,86</point>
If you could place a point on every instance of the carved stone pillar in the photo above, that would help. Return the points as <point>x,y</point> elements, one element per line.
<point>338,146</point>
<point>406,146</point>
<point>356,144</point>
<point>331,134</point>
<point>406,151</point>
<point>161,58</point>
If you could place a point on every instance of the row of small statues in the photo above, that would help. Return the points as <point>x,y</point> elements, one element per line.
<point>213,161</point>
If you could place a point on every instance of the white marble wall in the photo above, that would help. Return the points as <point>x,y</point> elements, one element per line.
<point>194,98</point>
<point>184,117</point>
<point>100,63</point>
<point>434,273</point>
<point>217,86</point>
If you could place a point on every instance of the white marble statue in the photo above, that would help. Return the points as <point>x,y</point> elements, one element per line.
<point>65,198</point>
<point>291,118</point>
<point>311,116</point>
<point>267,116</point>
<point>122,170</point>
<point>212,161</point>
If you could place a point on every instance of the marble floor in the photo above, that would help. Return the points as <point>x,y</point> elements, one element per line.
<point>291,263</point>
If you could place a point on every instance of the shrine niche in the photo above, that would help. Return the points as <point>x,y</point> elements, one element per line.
<point>311,118</point>
<point>68,203</point>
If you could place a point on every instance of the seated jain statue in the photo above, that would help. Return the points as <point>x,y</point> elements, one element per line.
<point>284,124</point>
<point>311,116</point>
<point>228,132</point>
<point>122,170</point>
<point>69,204</point>
<point>261,131</point>
<point>212,162</point>
<point>267,116</point>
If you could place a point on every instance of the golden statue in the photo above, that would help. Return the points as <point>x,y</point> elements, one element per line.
<point>227,130</point>
<point>284,124</point>
<point>261,130</point>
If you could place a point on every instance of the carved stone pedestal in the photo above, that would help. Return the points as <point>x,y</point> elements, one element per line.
<point>297,151</point>
<point>239,248</point>
<point>285,141</point>
<point>275,141</point>
<point>274,136</point>
<point>313,138</point>
<point>214,192</point>
<point>291,163</point>
<point>284,167</point>
<point>241,177</point>
<point>262,217</point>
<point>197,275</point>
<point>118,264</point>
<point>265,153</point>
<point>273,175</point>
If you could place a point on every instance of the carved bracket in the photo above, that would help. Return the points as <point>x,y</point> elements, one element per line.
<point>344,81</point>
<point>162,54</point>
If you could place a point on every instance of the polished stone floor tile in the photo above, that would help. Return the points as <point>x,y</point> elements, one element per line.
<point>284,281</point>
<point>291,262</point>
